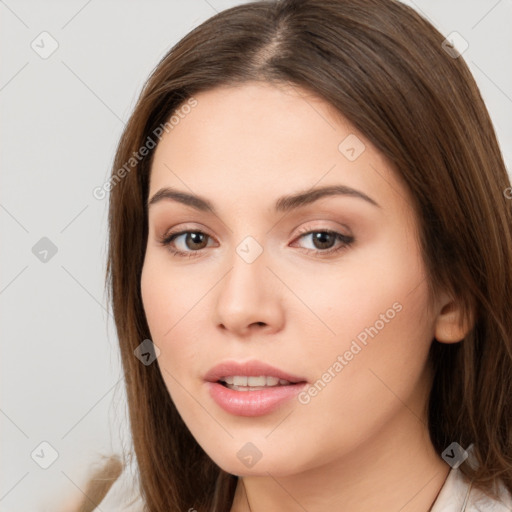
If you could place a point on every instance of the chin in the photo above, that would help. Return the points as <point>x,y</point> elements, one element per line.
<point>278,465</point>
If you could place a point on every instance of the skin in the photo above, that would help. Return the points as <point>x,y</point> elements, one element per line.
<point>362,442</point>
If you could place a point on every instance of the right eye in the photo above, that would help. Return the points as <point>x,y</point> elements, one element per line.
<point>185,243</point>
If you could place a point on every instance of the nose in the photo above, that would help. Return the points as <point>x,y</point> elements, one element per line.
<point>249,298</point>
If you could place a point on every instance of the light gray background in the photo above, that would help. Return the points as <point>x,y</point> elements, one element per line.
<point>61,120</point>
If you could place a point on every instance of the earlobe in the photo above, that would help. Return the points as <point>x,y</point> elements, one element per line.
<point>450,325</point>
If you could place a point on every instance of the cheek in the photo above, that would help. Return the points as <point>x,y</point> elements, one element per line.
<point>172,305</point>
<point>360,388</point>
<point>167,294</point>
<point>173,314</point>
<point>376,334</point>
<point>378,290</point>
<point>156,299</point>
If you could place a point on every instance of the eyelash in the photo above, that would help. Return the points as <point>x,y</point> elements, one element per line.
<point>346,242</point>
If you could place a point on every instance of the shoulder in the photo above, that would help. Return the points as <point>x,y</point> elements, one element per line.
<point>124,493</point>
<point>458,495</point>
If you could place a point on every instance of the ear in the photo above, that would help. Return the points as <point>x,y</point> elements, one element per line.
<point>450,325</point>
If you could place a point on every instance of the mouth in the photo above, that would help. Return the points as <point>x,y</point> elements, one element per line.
<point>251,383</point>
<point>251,374</point>
<point>251,388</point>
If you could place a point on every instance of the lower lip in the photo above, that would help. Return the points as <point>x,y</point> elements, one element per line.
<point>253,403</point>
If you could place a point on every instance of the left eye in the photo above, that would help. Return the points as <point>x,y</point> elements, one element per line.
<point>325,240</point>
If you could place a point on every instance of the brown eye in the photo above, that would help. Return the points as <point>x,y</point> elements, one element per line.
<point>324,242</point>
<point>196,240</point>
<point>323,239</point>
<point>186,243</point>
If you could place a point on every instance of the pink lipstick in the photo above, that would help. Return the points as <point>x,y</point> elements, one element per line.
<point>252,388</point>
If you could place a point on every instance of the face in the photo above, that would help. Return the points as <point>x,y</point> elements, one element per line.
<point>284,238</point>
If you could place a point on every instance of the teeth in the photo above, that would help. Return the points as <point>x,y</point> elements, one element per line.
<point>240,381</point>
<point>256,381</point>
<point>237,381</point>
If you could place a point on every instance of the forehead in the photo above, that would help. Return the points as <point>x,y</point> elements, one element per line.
<point>250,140</point>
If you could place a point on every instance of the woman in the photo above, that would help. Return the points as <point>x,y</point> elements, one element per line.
<point>309,261</point>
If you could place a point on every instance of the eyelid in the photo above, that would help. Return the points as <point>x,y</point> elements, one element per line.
<point>302,231</point>
<point>322,227</point>
<point>185,228</point>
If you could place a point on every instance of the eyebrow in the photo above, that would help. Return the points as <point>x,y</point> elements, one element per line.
<point>283,204</point>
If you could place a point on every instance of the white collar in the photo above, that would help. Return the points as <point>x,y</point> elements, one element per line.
<point>459,495</point>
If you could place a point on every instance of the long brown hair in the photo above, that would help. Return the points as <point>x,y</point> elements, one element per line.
<point>383,67</point>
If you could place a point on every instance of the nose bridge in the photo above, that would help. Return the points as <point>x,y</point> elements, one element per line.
<point>247,294</point>
<point>246,280</point>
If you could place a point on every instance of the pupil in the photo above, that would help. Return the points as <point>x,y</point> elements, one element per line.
<point>197,239</point>
<point>325,240</point>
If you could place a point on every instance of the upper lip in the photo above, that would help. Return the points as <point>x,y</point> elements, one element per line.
<point>251,368</point>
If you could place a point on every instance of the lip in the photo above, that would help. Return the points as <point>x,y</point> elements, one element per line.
<point>251,403</point>
<point>251,368</point>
